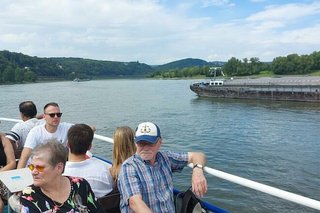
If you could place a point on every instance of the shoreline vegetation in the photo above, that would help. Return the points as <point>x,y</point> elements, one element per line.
<point>17,68</point>
<point>48,80</point>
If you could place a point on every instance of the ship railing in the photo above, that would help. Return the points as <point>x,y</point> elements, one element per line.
<point>249,183</point>
<point>305,201</point>
<point>315,204</point>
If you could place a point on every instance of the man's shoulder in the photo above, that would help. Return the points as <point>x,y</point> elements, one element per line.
<point>32,122</point>
<point>70,164</point>
<point>90,162</point>
<point>98,163</point>
<point>65,125</point>
<point>173,156</point>
<point>29,124</point>
<point>38,128</point>
<point>167,153</point>
<point>172,153</point>
<point>18,127</point>
<point>19,124</point>
<point>131,160</point>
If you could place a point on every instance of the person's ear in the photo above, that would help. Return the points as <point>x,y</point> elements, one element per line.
<point>60,166</point>
<point>160,140</point>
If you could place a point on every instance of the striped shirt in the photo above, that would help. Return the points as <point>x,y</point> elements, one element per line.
<point>153,183</point>
<point>20,130</point>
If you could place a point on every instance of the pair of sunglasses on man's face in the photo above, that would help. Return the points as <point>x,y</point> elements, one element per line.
<point>52,115</point>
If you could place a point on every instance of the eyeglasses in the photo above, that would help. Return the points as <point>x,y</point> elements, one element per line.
<point>52,115</point>
<point>39,168</point>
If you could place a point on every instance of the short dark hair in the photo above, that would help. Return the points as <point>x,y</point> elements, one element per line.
<point>80,138</point>
<point>50,104</point>
<point>28,109</point>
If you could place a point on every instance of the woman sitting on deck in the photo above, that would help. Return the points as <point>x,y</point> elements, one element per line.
<point>50,190</point>
<point>123,148</point>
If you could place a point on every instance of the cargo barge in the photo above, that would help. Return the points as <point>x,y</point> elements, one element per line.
<point>306,89</point>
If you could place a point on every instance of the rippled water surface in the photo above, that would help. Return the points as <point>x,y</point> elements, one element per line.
<point>275,143</point>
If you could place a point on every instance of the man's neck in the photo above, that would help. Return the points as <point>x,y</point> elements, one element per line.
<point>76,158</point>
<point>25,118</point>
<point>51,129</point>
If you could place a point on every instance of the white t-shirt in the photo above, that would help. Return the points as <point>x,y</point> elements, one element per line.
<point>95,172</point>
<point>20,130</point>
<point>39,135</point>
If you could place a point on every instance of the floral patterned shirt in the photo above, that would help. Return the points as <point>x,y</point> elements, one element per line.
<point>80,200</point>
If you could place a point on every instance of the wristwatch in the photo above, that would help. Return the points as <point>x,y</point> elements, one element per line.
<point>198,166</point>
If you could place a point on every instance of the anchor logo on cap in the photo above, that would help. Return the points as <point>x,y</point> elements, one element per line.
<point>145,129</point>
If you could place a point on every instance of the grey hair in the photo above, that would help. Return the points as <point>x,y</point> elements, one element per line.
<point>58,152</point>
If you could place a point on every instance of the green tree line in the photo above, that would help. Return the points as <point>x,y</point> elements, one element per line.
<point>185,72</point>
<point>18,68</point>
<point>292,64</point>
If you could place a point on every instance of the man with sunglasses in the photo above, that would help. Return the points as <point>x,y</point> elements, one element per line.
<point>51,129</point>
<point>145,180</point>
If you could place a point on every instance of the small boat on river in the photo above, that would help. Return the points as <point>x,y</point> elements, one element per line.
<point>80,79</point>
<point>305,201</point>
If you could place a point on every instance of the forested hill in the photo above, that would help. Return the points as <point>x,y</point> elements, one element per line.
<point>188,62</point>
<point>17,67</point>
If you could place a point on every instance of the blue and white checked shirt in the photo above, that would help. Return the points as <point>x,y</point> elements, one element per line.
<point>153,183</point>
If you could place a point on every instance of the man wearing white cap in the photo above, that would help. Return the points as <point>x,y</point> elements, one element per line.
<point>145,179</point>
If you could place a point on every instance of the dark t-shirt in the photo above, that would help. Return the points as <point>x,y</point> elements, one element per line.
<point>3,157</point>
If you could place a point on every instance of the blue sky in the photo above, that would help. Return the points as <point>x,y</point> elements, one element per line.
<point>160,31</point>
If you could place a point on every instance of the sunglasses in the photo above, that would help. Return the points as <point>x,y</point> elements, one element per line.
<point>52,115</point>
<point>39,168</point>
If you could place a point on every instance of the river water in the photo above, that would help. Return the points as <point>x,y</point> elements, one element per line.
<point>275,143</point>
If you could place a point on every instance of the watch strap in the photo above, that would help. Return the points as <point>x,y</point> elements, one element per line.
<point>198,166</point>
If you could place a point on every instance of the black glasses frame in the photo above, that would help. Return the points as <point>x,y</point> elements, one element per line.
<point>52,115</point>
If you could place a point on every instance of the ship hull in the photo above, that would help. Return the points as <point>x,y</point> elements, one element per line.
<point>304,93</point>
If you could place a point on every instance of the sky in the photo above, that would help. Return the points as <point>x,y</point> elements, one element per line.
<point>160,31</point>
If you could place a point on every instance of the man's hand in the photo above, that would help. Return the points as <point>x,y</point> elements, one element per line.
<point>40,116</point>
<point>199,182</point>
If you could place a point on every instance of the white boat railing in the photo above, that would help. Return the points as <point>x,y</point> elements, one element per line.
<point>312,203</point>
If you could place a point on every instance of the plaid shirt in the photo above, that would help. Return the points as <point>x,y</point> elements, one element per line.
<point>153,183</point>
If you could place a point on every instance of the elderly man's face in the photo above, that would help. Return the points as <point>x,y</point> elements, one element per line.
<point>148,151</point>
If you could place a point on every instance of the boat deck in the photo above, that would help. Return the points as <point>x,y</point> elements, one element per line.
<point>286,80</point>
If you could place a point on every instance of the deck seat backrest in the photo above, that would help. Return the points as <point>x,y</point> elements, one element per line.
<point>111,201</point>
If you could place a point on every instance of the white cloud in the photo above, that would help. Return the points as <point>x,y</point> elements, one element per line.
<point>285,13</point>
<point>305,36</point>
<point>209,3</point>
<point>150,32</point>
<point>257,1</point>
